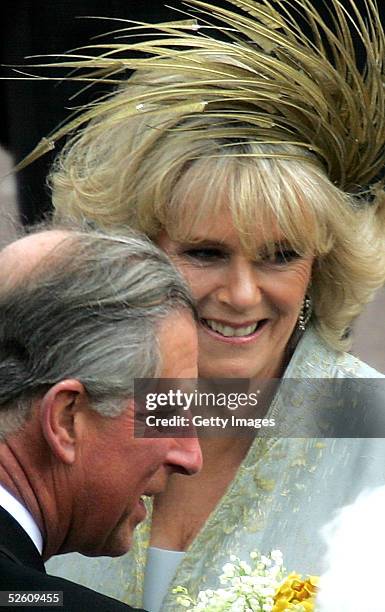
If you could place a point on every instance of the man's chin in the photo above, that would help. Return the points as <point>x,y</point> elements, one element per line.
<point>113,549</point>
<point>117,544</point>
<point>117,551</point>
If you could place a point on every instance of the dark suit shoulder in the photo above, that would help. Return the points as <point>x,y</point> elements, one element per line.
<point>76,598</point>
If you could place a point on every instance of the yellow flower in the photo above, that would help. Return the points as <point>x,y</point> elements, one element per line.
<point>296,594</point>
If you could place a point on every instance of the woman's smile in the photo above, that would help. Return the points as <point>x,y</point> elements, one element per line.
<point>233,333</point>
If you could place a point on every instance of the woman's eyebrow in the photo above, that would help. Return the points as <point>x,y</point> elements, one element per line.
<point>205,242</point>
<point>275,244</point>
<point>263,247</point>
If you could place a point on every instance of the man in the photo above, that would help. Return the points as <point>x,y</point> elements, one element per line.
<point>82,314</point>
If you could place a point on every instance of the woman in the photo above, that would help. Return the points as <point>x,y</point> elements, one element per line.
<point>251,162</point>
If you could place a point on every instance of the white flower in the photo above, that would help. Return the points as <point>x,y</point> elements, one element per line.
<point>246,587</point>
<point>268,591</point>
<point>229,569</point>
<point>245,566</point>
<point>277,556</point>
<point>266,561</point>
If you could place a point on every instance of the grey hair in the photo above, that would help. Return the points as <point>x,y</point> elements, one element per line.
<point>90,310</point>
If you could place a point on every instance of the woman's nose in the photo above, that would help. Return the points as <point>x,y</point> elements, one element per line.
<point>240,287</point>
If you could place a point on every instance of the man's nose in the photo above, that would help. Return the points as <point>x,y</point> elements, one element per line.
<point>240,288</point>
<point>185,455</point>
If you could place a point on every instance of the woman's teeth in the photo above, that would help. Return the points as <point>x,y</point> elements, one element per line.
<point>227,331</point>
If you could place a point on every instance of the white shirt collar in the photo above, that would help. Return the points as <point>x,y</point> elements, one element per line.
<point>22,516</point>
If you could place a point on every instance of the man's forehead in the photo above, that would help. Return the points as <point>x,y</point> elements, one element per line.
<point>178,342</point>
<point>21,256</point>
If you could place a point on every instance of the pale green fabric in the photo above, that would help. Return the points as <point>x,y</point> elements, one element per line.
<point>284,492</point>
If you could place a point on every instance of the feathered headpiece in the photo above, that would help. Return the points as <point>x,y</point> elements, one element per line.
<point>278,71</point>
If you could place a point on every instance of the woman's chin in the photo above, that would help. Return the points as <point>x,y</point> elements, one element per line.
<point>229,370</point>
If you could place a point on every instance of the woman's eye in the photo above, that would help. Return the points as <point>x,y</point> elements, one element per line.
<point>282,257</point>
<point>204,254</point>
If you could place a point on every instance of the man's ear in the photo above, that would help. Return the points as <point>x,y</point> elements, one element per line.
<point>59,411</point>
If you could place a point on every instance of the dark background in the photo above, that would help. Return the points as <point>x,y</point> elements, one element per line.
<point>31,110</point>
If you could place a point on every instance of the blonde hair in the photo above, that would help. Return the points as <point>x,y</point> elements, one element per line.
<point>168,171</point>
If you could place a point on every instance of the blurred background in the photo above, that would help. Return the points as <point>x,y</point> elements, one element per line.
<point>31,110</point>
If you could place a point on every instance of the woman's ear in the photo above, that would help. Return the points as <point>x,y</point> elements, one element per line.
<point>60,409</point>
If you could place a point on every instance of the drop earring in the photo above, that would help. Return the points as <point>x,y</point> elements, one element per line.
<point>305,313</point>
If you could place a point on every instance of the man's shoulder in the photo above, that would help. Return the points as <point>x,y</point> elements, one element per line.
<point>76,598</point>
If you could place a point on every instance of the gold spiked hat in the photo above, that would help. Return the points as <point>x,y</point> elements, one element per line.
<point>255,67</point>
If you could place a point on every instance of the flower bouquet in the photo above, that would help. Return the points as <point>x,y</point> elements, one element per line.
<point>256,586</point>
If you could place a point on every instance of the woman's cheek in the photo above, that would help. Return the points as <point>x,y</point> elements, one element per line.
<point>201,280</point>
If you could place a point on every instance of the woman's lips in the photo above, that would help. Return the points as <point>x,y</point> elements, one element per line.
<point>233,333</point>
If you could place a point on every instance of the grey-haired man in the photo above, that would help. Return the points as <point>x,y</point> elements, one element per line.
<point>82,314</point>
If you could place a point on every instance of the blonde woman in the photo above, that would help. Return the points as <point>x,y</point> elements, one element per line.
<point>253,161</point>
